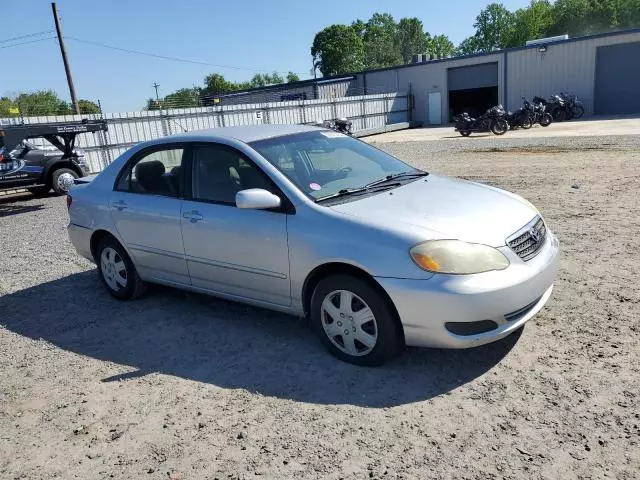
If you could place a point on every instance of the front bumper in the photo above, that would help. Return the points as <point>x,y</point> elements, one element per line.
<point>509,298</point>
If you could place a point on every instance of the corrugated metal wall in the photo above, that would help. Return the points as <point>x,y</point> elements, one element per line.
<point>425,78</point>
<point>128,128</point>
<point>564,67</point>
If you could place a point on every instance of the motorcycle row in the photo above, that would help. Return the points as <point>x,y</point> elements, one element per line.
<point>542,112</point>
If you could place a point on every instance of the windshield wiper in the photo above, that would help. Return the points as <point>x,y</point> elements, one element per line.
<point>396,176</point>
<point>354,191</point>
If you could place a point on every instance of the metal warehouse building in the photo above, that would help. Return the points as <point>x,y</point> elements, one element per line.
<point>333,87</point>
<point>603,70</point>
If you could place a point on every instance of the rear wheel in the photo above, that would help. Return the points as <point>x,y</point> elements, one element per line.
<point>354,321</point>
<point>499,126</point>
<point>578,111</point>
<point>117,271</point>
<point>465,133</point>
<point>62,179</point>
<point>526,123</point>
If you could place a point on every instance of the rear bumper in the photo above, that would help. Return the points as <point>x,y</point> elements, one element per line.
<point>81,239</point>
<point>508,298</point>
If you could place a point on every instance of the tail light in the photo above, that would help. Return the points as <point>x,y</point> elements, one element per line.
<point>69,200</point>
<point>1,157</point>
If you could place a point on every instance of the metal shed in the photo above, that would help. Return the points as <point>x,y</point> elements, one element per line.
<point>604,79</point>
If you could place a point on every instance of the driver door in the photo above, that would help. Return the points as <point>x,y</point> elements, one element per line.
<point>237,252</point>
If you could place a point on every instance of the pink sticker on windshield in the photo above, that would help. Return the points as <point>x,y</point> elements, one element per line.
<point>314,186</point>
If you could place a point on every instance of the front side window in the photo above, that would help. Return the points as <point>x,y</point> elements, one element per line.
<point>156,173</point>
<point>323,163</point>
<point>219,172</point>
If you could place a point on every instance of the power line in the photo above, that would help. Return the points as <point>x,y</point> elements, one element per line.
<point>25,43</point>
<point>28,35</point>
<point>166,57</point>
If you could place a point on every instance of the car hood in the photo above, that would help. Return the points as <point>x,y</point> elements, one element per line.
<point>446,208</point>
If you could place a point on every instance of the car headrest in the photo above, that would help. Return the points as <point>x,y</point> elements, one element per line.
<point>148,173</point>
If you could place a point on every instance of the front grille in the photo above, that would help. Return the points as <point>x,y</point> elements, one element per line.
<point>527,241</point>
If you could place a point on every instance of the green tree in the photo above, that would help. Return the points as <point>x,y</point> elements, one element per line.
<point>380,43</point>
<point>264,79</point>
<point>39,103</point>
<point>88,107</point>
<point>441,47</point>
<point>629,13</point>
<point>469,46</point>
<point>337,49</point>
<point>584,17</point>
<point>183,98</point>
<point>530,23</point>
<point>216,83</point>
<point>411,38</point>
<point>292,77</point>
<point>492,26</point>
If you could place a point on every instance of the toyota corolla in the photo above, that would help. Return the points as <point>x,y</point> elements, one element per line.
<point>304,220</point>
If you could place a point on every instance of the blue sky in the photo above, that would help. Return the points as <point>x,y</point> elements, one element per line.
<point>256,35</point>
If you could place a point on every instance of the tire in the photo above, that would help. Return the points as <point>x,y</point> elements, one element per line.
<point>116,270</point>
<point>578,111</point>
<point>499,127</point>
<point>465,133</point>
<point>39,191</point>
<point>546,120</point>
<point>60,180</point>
<point>526,123</point>
<point>559,115</point>
<point>371,343</point>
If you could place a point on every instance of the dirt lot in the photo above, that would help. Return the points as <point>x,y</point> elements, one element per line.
<point>183,386</point>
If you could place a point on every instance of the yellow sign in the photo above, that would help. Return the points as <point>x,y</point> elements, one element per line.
<point>14,110</point>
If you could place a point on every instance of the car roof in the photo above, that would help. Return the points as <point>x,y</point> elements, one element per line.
<point>247,133</point>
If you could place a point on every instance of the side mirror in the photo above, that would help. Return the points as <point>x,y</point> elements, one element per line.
<point>257,199</point>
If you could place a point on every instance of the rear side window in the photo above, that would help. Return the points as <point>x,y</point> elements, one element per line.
<point>156,173</point>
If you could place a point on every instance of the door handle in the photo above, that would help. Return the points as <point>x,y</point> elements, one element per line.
<point>120,205</point>
<point>193,216</point>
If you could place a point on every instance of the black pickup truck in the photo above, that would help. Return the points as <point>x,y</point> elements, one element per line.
<point>41,168</point>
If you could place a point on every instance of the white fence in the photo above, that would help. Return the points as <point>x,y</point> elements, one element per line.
<point>367,112</point>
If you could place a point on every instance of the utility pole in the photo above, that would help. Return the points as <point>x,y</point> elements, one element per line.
<point>156,85</point>
<point>65,60</point>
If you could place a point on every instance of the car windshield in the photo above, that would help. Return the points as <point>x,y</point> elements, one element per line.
<point>323,163</point>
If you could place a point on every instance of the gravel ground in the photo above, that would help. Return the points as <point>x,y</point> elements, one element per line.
<point>183,386</point>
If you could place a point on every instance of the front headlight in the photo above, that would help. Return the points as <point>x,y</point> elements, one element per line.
<point>457,257</point>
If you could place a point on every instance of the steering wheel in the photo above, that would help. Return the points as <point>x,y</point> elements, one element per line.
<point>342,173</point>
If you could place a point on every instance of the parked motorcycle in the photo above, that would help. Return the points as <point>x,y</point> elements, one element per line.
<point>494,120</point>
<point>521,118</point>
<point>575,105</point>
<point>341,125</point>
<point>541,116</point>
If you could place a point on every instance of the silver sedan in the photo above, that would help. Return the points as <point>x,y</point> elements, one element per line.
<point>376,253</point>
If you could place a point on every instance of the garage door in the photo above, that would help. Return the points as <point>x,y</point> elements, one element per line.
<point>617,79</point>
<point>474,76</point>
<point>473,89</point>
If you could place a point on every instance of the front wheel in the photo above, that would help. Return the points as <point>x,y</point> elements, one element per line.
<point>546,120</point>
<point>526,123</point>
<point>465,133</point>
<point>354,321</point>
<point>117,271</point>
<point>62,179</point>
<point>499,127</point>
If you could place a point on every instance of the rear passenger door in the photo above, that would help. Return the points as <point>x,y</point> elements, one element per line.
<point>145,208</point>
